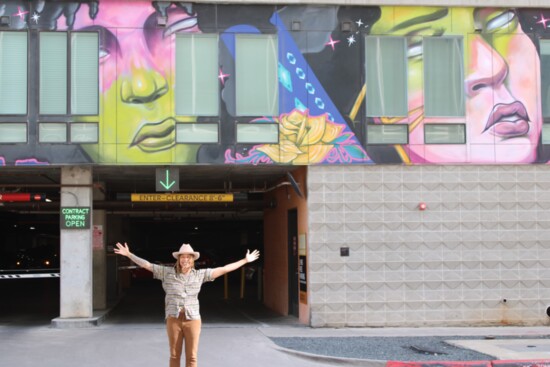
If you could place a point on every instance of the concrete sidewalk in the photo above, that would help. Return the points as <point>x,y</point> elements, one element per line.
<point>136,346</point>
<point>229,345</point>
<point>244,333</point>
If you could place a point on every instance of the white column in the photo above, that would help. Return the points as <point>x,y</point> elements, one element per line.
<point>76,289</point>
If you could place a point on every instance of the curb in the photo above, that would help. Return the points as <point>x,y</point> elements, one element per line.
<point>494,363</point>
<point>522,363</point>
<point>381,363</point>
<point>439,364</point>
<point>337,360</point>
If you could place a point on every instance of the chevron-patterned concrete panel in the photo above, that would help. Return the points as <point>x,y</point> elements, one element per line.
<point>478,255</point>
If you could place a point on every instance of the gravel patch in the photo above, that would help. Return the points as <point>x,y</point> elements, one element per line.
<point>421,348</point>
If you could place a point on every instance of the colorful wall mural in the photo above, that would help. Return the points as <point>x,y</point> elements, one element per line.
<point>322,111</point>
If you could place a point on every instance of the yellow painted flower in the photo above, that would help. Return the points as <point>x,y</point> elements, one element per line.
<point>303,139</point>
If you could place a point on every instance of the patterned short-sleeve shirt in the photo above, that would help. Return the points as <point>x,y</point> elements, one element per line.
<point>182,290</point>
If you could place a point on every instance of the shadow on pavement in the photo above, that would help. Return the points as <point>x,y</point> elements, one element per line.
<point>35,302</point>
<point>143,302</point>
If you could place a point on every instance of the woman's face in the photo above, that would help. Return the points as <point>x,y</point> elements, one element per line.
<point>503,119</point>
<point>137,119</point>
<point>186,262</point>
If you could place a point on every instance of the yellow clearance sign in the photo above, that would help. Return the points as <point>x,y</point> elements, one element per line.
<point>181,197</point>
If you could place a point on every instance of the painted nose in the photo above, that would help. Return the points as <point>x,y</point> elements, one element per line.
<point>143,86</point>
<point>488,68</point>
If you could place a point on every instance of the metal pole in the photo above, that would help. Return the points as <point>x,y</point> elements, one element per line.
<point>225,290</point>
<point>260,283</point>
<point>242,282</point>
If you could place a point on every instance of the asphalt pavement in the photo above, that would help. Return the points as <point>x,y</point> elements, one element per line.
<point>243,333</point>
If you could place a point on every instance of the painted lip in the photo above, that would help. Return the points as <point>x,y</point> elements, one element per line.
<point>508,120</point>
<point>153,137</point>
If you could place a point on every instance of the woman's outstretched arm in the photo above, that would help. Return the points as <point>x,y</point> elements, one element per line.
<point>124,250</point>
<point>250,257</point>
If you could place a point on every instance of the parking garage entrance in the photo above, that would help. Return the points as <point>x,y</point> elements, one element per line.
<point>220,231</point>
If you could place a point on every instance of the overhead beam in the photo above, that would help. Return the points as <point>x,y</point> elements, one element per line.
<point>448,3</point>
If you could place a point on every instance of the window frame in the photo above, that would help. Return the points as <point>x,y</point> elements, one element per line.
<point>406,74</point>
<point>69,66</point>
<point>545,133</point>
<point>445,125</point>
<point>23,116</point>
<point>246,117</point>
<point>462,77</point>
<point>67,141</point>
<point>70,132</point>
<point>401,126</point>
<point>55,117</point>
<point>26,125</point>
<point>199,124</point>
<point>206,118</point>
<point>277,126</point>
<point>546,43</point>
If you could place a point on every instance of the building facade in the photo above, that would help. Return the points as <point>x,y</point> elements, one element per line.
<point>417,133</point>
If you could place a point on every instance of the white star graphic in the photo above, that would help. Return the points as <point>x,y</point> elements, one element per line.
<point>35,17</point>
<point>359,23</point>
<point>351,40</point>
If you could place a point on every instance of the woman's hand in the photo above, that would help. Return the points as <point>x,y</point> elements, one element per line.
<point>250,257</point>
<point>217,272</point>
<point>122,249</point>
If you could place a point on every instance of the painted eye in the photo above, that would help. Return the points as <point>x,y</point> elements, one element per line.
<point>501,22</point>
<point>181,25</point>
<point>415,50</point>
<point>103,54</point>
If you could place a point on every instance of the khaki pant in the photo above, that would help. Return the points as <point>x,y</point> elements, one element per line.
<point>179,329</point>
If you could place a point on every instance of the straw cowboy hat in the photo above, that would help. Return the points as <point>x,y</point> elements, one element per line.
<point>186,249</point>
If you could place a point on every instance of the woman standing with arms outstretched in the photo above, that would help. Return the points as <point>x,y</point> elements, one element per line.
<point>182,284</point>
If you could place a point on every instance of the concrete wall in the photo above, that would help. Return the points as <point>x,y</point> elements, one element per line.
<point>478,255</point>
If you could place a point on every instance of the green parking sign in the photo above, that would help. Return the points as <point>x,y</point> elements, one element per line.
<point>75,218</point>
<point>167,179</point>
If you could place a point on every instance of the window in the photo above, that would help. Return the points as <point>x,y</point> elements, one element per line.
<point>257,91</point>
<point>258,133</point>
<point>55,75</point>
<point>13,132</point>
<point>197,133</point>
<point>443,77</point>
<point>386,76</point>
<point>444,134</point>
<point>197,75</point>
<point>388,134</point>
<point>84,132</point>
<point>79,132</point>
<point>84,73</point>
<point>545,78</point>
<point>13,73</point>
<point>52,132</point>
<point>546,134</point>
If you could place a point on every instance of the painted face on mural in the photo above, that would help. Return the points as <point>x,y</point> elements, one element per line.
<point>136,57</point>
<point>503,118</point>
